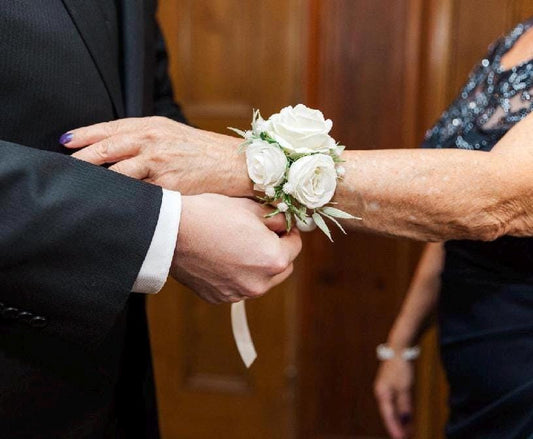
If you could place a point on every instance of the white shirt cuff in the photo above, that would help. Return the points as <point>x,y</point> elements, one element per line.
<point>154,270</point>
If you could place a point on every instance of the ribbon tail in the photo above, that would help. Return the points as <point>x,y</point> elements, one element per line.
<point>241,333</point>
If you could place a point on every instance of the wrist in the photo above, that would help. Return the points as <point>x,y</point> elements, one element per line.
<point>406,331</point>
<point>295,165</point>
<point>187,224</point>
<point>244,186</point>
<point>235,181</point>
<point>401,339</point>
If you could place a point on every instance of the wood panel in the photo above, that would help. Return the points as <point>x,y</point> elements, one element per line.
<point>383,70</point>
<point>366,83</point>
<point>203,389</point>
<point>520,10</point>
<point>228,57</point>
<point>368,62</point>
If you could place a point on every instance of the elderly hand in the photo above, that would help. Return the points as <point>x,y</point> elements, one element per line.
<point>228,251</point>
<point>167,153</point>
<point>393,390</point>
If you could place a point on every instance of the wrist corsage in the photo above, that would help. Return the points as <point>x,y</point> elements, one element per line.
<point>295,163</point>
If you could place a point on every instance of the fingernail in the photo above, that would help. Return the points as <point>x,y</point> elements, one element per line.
<point>405,418</point>
<point>65,138</point>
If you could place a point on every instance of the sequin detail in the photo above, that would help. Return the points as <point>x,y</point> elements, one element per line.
<point>492,101</point>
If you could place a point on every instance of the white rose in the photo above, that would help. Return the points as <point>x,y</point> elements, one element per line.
<point>301,130</point>
<point>260,126</point>
<point>313,180</point>
<point>266,164</point>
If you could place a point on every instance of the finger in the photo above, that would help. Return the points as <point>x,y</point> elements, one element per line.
<point>291,244</point>
<point>404,409</point>
<point>279,278</point>
<point>111,150</point>
<point>134,168</point>
<point>386,408</point>
<point>88,135</point>
<point>276,223</point>
<point>214,296</point>
<point>210,297</point>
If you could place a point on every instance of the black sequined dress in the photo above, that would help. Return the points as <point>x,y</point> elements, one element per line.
<point>486,301</point>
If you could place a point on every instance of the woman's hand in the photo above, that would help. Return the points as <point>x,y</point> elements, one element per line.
<point>395,378</point>
<point>164,152</point>
<point>393,389</point>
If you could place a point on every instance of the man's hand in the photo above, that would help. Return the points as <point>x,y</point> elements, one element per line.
<point>227,251</point>
<point>167,153</point>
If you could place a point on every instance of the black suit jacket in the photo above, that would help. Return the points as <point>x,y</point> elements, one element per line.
<point>74,353</point>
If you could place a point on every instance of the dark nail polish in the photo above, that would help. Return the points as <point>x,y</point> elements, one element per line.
<point>65,138</point>
<point>405,419</point>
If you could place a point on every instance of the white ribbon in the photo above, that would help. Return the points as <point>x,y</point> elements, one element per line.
<point>241,333</point>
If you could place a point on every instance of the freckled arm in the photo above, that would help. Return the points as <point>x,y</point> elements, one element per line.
<point>437,195</point>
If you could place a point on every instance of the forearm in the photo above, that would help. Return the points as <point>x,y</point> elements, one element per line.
<point>436,195</point>
<point>432,195</point>
<point>421,299</point>
<point>72,238</point>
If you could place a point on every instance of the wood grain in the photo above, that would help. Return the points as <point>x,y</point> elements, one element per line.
<point>228,57</point>
<point>353,290</point>
<point>384,71</point>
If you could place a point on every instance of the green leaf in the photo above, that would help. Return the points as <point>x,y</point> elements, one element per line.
<point>271,214</point>
<point>301,212</point>
<point>288,219</point>
<point>337,213</point>
<point>335,221</point>
<point>297,156</point>
<point>237,131</point>
<point>321,224</point>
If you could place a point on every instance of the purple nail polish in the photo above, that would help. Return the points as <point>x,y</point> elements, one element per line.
<point>65,138</point>
<point>405,419</point>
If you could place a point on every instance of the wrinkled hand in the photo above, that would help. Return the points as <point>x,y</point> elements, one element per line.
<point>227,251</point>
<point>167,153</point>
<point>393,390</point>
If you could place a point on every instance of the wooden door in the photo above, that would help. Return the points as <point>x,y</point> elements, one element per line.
<point>383,70</point>
<point>228,57</point>
<point>366,81</point>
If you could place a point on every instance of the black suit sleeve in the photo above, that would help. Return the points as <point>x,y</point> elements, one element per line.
<point>165,105</point>
<point>73,237</point>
